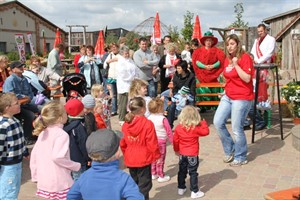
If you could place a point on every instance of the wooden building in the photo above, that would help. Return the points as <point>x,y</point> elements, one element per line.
<point>16,18</point>
<point>285,28</point>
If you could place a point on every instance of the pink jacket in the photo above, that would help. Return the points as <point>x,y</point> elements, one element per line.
<point>50,162</point>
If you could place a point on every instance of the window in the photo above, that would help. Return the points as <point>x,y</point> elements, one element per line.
<point>26,23</point>
<point>3,47</point>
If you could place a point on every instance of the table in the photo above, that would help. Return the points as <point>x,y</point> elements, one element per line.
<point>259,67</point>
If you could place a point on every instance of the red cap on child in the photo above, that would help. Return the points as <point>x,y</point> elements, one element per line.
<point>74,107</point>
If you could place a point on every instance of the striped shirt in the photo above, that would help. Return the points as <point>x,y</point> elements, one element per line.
<point>12,147</point>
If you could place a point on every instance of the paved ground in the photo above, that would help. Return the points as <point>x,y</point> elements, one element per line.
<point>273,165</point>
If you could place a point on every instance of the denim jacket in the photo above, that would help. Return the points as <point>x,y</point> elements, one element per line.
<point>18,85</point>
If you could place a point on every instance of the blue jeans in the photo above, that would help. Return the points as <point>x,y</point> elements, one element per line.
<point>166,95</point>
<point>10,181</point>
<point>151,88</point>
<point>238,110</point>
<point>114,102</point>
<point>259,120</point>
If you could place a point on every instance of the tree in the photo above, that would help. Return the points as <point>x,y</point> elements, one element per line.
<point>187,30</point>
<point>239,23</point>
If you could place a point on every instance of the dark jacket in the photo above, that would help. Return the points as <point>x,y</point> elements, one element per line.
<point>188,81</point>
<point>78,136</point>
<point>90,123</point>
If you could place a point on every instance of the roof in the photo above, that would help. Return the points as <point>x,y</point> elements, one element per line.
<point>15,2</point>
<point>269,19</point>
<point>146,27</point>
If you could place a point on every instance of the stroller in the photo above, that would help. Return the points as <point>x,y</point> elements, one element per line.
<point>74,86</point>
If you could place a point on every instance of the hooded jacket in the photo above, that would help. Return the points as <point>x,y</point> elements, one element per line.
<point>139,144</point>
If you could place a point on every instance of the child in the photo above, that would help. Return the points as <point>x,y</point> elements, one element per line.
<point>163,131</point>
<point>50,162</point>
<point>186,53</point>
<point>89,118</point>
<point>98,113</point>
<point>98,92</point>
<point>99,182</point>
<point>186,145</point>
<point>12,147</point>
<point>182,98</point>
<point>138,88</point>
<point>139,145</point>
<point>78,135</point>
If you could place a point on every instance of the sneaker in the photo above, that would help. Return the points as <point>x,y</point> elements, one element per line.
<point>195,195</point>
<point>163,179</point>
<point>237,163</point>
<point>181,191</point>
<point>121,123</point>
<point>154,177</point>
<point>228,159</point>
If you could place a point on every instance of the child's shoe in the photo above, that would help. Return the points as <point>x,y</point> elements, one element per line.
<point>154,177</point>
<point>163,179</point>
<point>181,191</point>
<point>195,195</point>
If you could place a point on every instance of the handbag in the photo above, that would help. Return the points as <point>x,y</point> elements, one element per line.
<point>39,99</point>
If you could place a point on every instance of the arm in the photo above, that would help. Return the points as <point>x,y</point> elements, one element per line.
<point>32,164</point>
<point>242,74</point>
<point>168,129</point>
<point>267,50</point>
<point>74,192</point>
<point>202,129</point>
<point>151,141</point>
<point>9,86</point>
<point>176,141</point>
<point>3,134</point>
<point>139,61</point>
<point>154,60</point>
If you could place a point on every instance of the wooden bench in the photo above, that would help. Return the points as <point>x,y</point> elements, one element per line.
<point>209,85</point>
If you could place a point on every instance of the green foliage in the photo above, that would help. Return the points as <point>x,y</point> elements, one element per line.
<point>173,32</point>
<point>239,22</point>
<point>111,38</point>
<point>132,40</point>
<point>187,30</point>
<point>291,93</point>
<point>13,55</point>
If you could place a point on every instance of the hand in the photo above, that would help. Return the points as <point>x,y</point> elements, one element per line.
<point>234,61</point>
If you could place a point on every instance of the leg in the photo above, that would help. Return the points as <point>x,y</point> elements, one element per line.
<point>161,160</point>
<point>240,109</point>
<point>27,116</point>
<point>10,181</point>
<point>193,163</point>
<point>123,98</point>
<point>171,113</point>
<point>165,95</point>
<point>151,88</point>
<point>114,98</point>
<point>145,180</point>
<point>183,169</point>
<point>221,116</point>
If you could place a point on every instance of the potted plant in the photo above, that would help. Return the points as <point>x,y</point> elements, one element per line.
<point>291,93</point>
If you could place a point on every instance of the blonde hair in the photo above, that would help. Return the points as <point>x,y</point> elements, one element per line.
<point>135,87</point>
<point>189,117</point>
<point>35,58</point>
<point>136,104</point>
<point>4,58</point>
<point>171,47</point>
<point>50,114</point>
<point>154,46</point>
<point>96,89</point>
<point>98,103</point>
<point>156,105</point>
<point>33,66</point>
<point>6,100</point>
<point>239,51</point>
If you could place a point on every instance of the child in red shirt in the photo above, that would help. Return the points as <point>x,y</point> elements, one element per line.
<point>139,145</point>
<point>186,145</point>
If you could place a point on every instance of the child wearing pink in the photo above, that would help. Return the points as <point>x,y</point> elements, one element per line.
<point>163,132</point>
<point>50,162</point>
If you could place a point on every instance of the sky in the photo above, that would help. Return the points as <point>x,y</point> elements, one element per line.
<point>128,14</point>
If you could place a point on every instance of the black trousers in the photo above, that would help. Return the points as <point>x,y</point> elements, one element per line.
<point>142,177</point>
<point>188,164</point>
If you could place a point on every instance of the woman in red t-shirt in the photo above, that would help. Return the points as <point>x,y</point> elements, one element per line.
<point>236,101</point>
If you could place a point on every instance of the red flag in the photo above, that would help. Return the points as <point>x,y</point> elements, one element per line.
<point>156,37</point>
<point>99,48</point>
<point>58,39</point>
<point>197,30</point>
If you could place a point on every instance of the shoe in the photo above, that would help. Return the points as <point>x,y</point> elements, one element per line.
<point>195,195</point>
<point>237,163</point>
<point>228,159</point>
<point>121,123</point>
<point>154,177</point>
<point>163,179</point>
<point>261,127</point>
<point>114,114</point>
<point>181,191</point>
<point>247,128</point>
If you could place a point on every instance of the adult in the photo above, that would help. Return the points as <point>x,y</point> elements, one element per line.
<point>162,48</point>
<point>3,69</point>
<point>167,63</point>
<point>82,52</point>
<point>236,101</point>
<point>19,85</point>
<point>182,77</point>
<point>262,51</point>
<point>111,64</point>
<point>88,66</point>
<point>54,66</point>
<point>145,61</point>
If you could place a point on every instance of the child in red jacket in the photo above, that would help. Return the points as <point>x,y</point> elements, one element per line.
<point>186,145</point>
<point>139,145</point>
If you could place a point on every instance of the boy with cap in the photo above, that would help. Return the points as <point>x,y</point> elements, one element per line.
<point>78,135</point>
<point>104,180</point>
<point>89,118</point>
<point>182,98</point>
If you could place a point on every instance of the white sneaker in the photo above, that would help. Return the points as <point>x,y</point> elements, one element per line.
<point>181,191</point>
<point>163,179</point>
<point>195,195</point>
<point>154,177</point>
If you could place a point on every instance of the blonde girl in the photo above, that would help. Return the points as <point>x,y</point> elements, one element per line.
<point>50,162</point>
<point>186,145</point>
<point>163,132</point>
<point>138,88</point>
<point>99,116</point>
<point>139,145</point>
